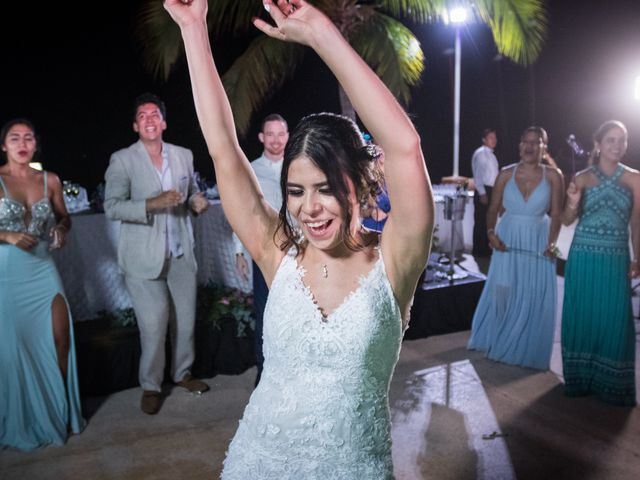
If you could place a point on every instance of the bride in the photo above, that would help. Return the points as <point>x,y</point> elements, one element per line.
<point>339,296</point>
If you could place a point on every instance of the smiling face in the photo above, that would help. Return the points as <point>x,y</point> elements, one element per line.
<point>613,145</point>
<point>19,144</point>
<point>149,122</point>
<point>274,137</point>
<point>311,201</point>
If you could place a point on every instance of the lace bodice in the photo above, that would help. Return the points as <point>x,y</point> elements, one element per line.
<point>321,409</point>
<point>604,222</point>
<point>13,213</point>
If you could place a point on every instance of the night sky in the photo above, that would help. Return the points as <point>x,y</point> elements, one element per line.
<point>76,81</point>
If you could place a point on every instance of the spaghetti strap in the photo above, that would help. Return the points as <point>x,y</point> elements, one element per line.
<point>4,189</point>
<point>45,184</point>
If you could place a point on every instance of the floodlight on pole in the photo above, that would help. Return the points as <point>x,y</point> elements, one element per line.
<point>457,16</point>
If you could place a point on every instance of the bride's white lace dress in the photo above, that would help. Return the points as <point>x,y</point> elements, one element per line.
<point>321,410</point>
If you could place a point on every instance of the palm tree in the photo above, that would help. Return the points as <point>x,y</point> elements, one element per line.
<point>371,26</point>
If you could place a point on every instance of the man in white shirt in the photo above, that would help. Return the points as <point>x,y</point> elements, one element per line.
<point>484,165</point>
<point>274,135</point>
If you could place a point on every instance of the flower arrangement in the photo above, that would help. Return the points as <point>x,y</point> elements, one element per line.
<point>122,317</point>
<point>217,302</point>
<point>214,304</point>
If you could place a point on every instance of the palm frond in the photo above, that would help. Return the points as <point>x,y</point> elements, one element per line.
<point>392,51</point>
<point>159,38</point>
<point>256,74</point>
<point>233,16</point>
<point>419,11</point>
<point>518,26</point>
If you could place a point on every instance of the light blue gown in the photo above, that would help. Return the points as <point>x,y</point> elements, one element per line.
<point>36,407</point>
<point>515,317</point>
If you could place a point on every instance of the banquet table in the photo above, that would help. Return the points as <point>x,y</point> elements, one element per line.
<point>89,270</point>
<point>93,282</point>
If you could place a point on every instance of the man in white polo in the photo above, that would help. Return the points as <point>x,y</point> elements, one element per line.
<point>273,135</point>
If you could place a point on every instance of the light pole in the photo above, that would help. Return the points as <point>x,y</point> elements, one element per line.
<point>457,16</point>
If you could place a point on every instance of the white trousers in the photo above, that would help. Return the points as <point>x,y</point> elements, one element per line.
<point>168,301</point>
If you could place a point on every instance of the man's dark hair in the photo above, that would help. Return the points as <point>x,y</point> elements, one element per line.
<point>149,98</point>
<point>487,131</point>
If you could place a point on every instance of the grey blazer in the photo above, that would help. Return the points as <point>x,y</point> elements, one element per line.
<point>130,179</point>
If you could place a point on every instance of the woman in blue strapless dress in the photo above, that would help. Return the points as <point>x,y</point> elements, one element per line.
<point>39,397</point>
<point>515,317</point>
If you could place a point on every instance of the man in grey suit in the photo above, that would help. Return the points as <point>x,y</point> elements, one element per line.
<point>150,189</point>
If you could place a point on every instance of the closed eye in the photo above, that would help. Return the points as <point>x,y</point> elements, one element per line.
<point>294,192</point>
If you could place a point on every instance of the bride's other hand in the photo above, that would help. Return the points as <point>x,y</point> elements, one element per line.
<point>295,21</point>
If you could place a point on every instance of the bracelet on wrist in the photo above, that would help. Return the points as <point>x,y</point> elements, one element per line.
<point>491,231</point>
<point>572,206</point>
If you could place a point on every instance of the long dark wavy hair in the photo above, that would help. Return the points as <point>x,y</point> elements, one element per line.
<point>4,131</point>
<point>335,145</point>
<point>606,127</point>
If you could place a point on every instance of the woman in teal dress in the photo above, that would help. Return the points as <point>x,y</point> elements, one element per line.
<point>39,399</point>
<point>598,334</point>
<point>515,317</point>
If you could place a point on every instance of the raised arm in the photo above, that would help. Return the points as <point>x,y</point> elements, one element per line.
<point>571,209</point>
<point>248,213</point>
<point>406,237</point>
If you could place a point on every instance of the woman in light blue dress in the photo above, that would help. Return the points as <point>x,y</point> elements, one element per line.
<point>39,399</point>
<point>515,317</point>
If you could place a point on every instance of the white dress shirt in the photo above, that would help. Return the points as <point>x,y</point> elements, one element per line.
<point>172,245</point>
<point>268,174</point>
<point>484,165</point>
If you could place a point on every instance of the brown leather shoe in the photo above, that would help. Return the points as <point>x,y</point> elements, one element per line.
<point>193,384</point>
<point>150,402</point>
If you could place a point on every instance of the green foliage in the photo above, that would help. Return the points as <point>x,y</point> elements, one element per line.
<point>371,26</point>
<point>214,303</point>
<point>218,302</point>
<point>120,318</point>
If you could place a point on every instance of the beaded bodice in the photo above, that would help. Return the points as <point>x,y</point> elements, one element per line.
<point>13,214</point>
<point>606,207</point>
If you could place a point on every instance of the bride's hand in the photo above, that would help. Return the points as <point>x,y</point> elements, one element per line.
<point>296,21</point>
<point>186,12</point>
